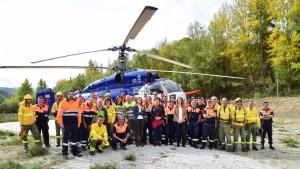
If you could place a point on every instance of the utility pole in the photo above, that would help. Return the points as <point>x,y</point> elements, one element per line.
<point>277,86</point>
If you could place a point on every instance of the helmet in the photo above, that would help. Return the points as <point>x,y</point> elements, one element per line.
<point>59,94</point>
<point>238,99</point>
<point>27,97</point>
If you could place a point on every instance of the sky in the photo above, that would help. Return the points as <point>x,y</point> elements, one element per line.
<point>36,29</point>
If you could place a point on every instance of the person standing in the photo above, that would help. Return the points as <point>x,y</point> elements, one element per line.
<point>157,115</point>
<point>54,111</point>
<point>224,115</point>
<point>148,124</point>
<point>180,118</point>
<point>69,118</point>
<point>169,113</point>
<point>139,122</point>
<point>193,118</point>
<point>101,111</point>
<point>209,121</point>
<point>253,123</point>
<point>216,105</point>
<point>88,118</point>
<point>120,109</point>
<point>41,114</point>
<point>27,119</point>
<point>266,116</point>
<point>129,105</point>
<point>108,104</point>
<point>238,122</point>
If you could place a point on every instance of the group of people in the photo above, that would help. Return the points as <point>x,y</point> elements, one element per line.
<point>98,122</point>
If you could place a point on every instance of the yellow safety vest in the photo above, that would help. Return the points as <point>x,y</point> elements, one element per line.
<point>224,116</point>
<point>239,116</point>
<point>252,116</point>
<point>26,115</point>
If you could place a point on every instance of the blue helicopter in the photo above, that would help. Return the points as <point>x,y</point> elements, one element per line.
<point>128,80</point>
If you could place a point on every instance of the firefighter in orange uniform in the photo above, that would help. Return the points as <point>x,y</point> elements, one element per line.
<point>69,119</point>
<point>266,116</point>
<point>41,114</point>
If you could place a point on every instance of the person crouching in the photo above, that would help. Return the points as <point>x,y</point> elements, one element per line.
<point>98,139</point>
<point>120,134</point>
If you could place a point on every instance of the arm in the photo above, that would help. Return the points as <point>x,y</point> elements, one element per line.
<point>59,115</point>
<point>20,116</point>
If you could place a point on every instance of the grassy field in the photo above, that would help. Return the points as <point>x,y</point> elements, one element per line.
<point>8,117</point>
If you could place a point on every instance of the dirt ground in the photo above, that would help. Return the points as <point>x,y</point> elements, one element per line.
<point>286,125</point>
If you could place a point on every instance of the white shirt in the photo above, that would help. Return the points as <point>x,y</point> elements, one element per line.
<point>140,116</point>
<point>180,114</point>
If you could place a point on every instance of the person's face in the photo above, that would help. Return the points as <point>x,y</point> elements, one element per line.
<point>100,121</point>
<point>265,105</point>
<point>209,104</point>
<point>239,103</point>
<point>80,99</point>
<point>154,95</point>
<point>71,95</point>
<point>251,104</point>
<point>107,102</point>
<point>40,102</point>
<point>179,100</point>
<point>194,103</point>
<point>214,100</point>
<point>156,102</point>
<point>28,101</point>
<point>91,100</point>
<point>121,121</point>
<point>224,102</point>
<point>186,103</point>
<point>171,104</point>
<point>173,98</point>
<point>59,98</point>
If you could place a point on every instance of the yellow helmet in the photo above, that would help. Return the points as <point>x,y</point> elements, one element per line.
<point>27,96</point>
<point>59,94</point>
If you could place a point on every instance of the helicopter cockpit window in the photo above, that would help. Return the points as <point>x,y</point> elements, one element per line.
<point>154,88</point>
<point>171,87</point>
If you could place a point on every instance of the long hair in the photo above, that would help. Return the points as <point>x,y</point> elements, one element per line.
<point>119,103</point>
<point>182,103</point>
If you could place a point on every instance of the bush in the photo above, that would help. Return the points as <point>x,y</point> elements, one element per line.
<point>258,95</point>
<point>130,157</point>
<point>111,165</point>
<point>11,165</point>
<point>37,151</point>
<point>290,142</point>
<point>9,105</point>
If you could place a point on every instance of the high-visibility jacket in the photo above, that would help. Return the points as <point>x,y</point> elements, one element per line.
<point>111,112</point>
<point>216,107</point>
<point>129,109</point>
<point>239,116</point>
<point>193,114</point>
<point>88,113</point>
<point>54,109</point>
<point>99,132</point>
<point>252,116</point>
<point>120,110</point>
<point>120,129</point>
<point>26,115</point>
<point>68,112</point>
<point>41,113</point>
<point>224,113</point>
<point>211,112</point>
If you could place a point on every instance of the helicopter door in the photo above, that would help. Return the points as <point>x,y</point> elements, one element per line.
<point>154,88</point>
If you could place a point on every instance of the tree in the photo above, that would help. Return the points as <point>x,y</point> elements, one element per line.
<point>41,85</point>
<point>92,74</point>
<point>79,82</point>
<point>25,88</point>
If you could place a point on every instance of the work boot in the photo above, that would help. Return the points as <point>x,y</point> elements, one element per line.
<point>248,148</point>
<point>92,153</point>
<point>244,149</point>
<point>271,147</point>
<point>254,148</point>
<point>58,145</point>
<point>211,145</point>
<point>215,144</point>
<point>203,146</point>
<point>196,146</point>
<point>262,146</point>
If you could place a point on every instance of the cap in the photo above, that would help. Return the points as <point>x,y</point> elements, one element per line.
<point>27,96</point>
<point>238,99</point>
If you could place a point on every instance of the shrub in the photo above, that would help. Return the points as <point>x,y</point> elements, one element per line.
<point>111,165</point>
<point>290,142</point>
<point>37,151</point>
<point>130,157</point>
<point>11,165</point>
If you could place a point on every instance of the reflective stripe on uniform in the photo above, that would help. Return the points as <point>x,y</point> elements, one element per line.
<point>70,114</point>
<point>37,141</point>
<point>73,143</point>
<point>25,142</point>
<point>65,144</point>
<point>195,139</point>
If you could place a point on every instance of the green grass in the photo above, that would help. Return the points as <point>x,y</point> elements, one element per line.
<point>111,165</point>
<point>35,151</point>
<point>8,117</point>
<point>11,165</point>
<point>130,157</point>
<point>9,138</point>
<point>290,142</point>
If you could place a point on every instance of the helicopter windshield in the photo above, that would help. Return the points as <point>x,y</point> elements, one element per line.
<point>171,86</point>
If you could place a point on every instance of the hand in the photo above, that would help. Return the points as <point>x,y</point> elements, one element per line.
<point>62,126</point>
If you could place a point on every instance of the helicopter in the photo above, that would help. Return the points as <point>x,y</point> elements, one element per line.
<point>129,80</point>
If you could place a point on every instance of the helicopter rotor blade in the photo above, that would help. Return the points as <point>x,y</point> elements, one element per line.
<point>64,56</point>
<point>53,67</point>
<point>144,17</point>
<point>195,73</point>
<point>165,59</point>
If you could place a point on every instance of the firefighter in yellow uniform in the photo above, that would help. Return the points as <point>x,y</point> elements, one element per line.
<point>98,139</point>
<point>253,123</point>
<point>224,114</point>
<point>54,110</point>
<point>238,123</point>
<point>27,119</point>
<point>216,106</point>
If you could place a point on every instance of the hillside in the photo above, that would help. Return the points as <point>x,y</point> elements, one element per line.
<point>6,92</point>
